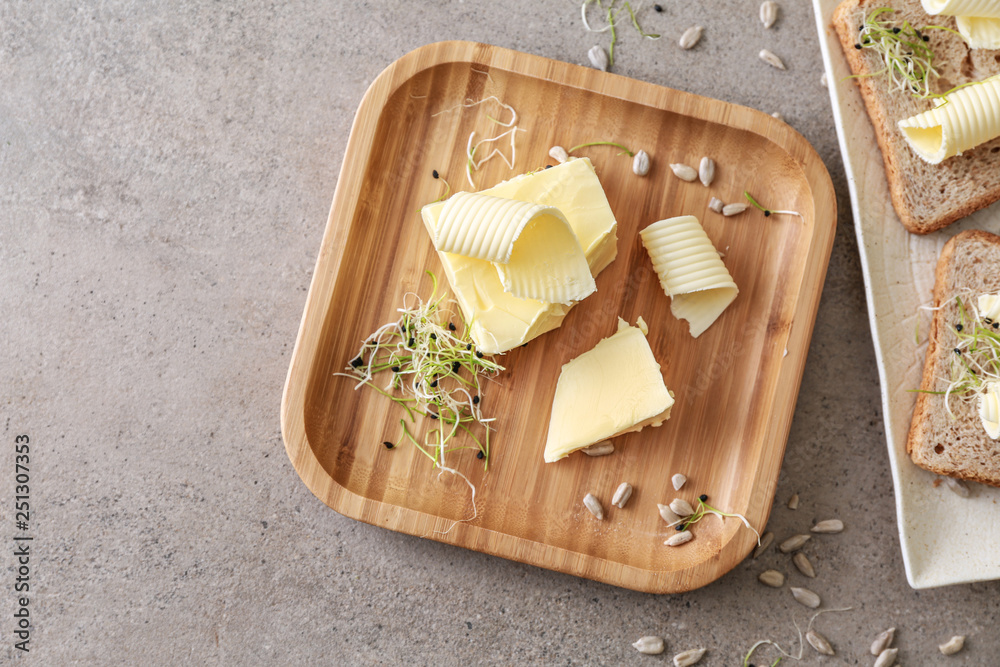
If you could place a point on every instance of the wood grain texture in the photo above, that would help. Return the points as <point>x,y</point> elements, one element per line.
<point>734,387</point>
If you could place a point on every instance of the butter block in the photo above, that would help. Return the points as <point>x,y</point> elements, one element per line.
<point>501,321</point>
<point>612,389</point>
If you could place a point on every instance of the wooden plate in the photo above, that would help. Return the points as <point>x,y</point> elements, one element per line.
<point>735,385</point>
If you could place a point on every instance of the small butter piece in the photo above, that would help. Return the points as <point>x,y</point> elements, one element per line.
<point>989,409</point>
<point>963,120</point>
<point>614,388</point>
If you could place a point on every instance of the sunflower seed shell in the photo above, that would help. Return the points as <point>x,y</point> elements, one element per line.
<point>688,658</point>
<point>883,641</point>
<point>765,542</point>
<point>953,645</point>
<point>600,449</point>
<point>716,204</point>
<point>622,494</point>
<point>706,171</point>
<point>829,526</point>
<point>684,172</point>
<point>819,642</point>
<point>598,57</point>
<point>594,505</point>
<point>649,645</point>
<point>772,578</point>
<point>806,597</point>
<point>793,543</point>
<point>679,539</point>
<point>690,37</point>
<point>804,566</point>
<point>957,486</point>
<point>886,658</point>
<point>793,502</point>
<point>771,59</point>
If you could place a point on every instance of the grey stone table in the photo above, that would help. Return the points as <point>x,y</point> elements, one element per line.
<point>166,170</point>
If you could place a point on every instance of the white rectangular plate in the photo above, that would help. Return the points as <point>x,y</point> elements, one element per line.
<point>945,539</point>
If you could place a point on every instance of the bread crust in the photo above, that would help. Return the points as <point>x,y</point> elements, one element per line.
<point>923,438</point>
<point>906,173</point>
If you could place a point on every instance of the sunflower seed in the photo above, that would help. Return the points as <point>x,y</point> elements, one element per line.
<point>690,37</point>
<point>883,641</point>
<point>887,658</point>
<point>684,172</point>
<point>640,163</point>
<point>823,80</point>
<point>678,481</point>
<point>802,563</point>
<point>598,57</point>
<point>733,209</point>
<point>793,502</point>
<point>806,597</point>
<point>679,539</point>
<point>953,645</point>
<point>771,59</point>
<point>559,154</point>
<point>771,578</point>
<point>706,171</point>
<point>594,505</point>
<point>768,13</point>
<point>828,526</point>
<point>622,494</point>
<point>602,448</point>
<point>688,658</point>
<point>957,486</point>
<point>777,114</point>
<point>681,507</point>
<point>667,514</point>
<point>649,645</point>
<point>715,204</point>
<point>765,542</point>
<point>793,543</point>
<point>819,642</point>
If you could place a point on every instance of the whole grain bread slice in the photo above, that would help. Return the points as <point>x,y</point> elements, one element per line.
<point>955,446</point>
<point>926,197</point>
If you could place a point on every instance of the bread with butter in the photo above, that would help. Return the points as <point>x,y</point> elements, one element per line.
<point>926,197</point>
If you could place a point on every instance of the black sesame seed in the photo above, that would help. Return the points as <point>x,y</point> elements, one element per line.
<point>395,369</point>
<point>434,337</point>
<point>388,445</point>
<point>475,400</point>
<point>996,325</point>
<point>767,214</point>
<point>895,31</point>
<point>479,354</point>
<point>957,351</point>
<point>703,497</point>
<point>480,455</point>
<point>432,415</point>
<point>468,346</point>
<point>926,38</point>
<point>434,384</point>
<point>435,174</point>
<point>455,366</point>
<point>451,326</point>
<point>658,9</point>
<point>958,327</point>
<point>411,342</point>
<point>680,527</point>
<point>857,46</point>
<point>548,166</point>
<point>357,361</point>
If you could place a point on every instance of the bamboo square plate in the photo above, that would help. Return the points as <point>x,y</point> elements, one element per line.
<point>735,386</point>
<point>945,539</point>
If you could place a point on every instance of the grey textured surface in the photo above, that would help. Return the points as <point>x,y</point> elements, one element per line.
<point>166,170</point>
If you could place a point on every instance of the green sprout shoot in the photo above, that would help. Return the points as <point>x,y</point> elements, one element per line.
<point>703,509</point>
<point>611,18</point>
<point>625,150</point>
<point>767,212</point>
<point>904,50</point>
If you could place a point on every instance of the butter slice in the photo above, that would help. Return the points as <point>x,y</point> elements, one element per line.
<point>979,32</point>
<point>533,247</point>
<point>983,8</point>
<point>963,120</point>
<point>989,307</point>
<point>614,388</point>
<point>989,409</point>
<point>690,270</point>
<point>499,320</point>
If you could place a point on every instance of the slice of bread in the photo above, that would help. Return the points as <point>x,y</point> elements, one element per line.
<point>957,447</point>
<point>926,197</point>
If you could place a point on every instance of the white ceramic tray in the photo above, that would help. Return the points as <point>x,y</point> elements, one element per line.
<point>945,539</point>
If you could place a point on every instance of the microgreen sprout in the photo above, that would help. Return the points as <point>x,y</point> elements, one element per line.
<point>434,371</point>
<point>783,652</point>
<point>611,18</point>
<point>704,508</point>
<point>903,49</point>
<point>625,150</point>
<point>767,212</point>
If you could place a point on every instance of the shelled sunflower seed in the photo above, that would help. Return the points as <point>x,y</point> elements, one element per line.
<point>559,154</point>
<point>953,645</point>
<point>691,37</point>
<point>806,597</point>
<point>777,114</point>
<point>804,565</point>
<point>768,13</point>
<point>733,209</point>
<point>819,642</point>
<point>828,526</point>
<point>678,481</point>
<point>771,578</point>
<point>594,505</point>
<point>640,163</point>
<point>681,507</point>
<point>706,171</point>
<point>649,645</point>
<point>771,59</point>
<point>680,538</point>
<point>668,514</point>
<point>793,502</point>
<point>883,641</point>
<point>598,57</point>
<point>887,658</point>
<point>684,172</point>
<point>765,542</point>
<point>793,543</point>
<point>602,448</point>
<point>688,658</point>
<point>622,494</point>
